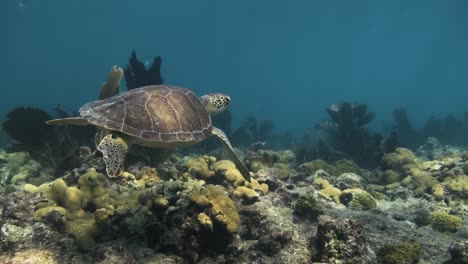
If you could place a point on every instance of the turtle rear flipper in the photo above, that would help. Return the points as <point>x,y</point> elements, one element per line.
<point>114,149</point>
<point>239,164</point>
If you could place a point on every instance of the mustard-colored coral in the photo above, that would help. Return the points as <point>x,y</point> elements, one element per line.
<point>223,209</point>
<point>199,166</point>
<point>251,190</point>
<point>327,191</point>
<point>229,170</point>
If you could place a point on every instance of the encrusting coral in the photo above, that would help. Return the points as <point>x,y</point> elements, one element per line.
<point>327,191</point>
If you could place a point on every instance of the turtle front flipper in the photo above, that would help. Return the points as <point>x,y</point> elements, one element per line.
<point>69,121</point>
<point>239,164</point>
<point>114,149</point>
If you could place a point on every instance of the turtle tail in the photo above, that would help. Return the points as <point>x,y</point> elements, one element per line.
<point>69,121</point>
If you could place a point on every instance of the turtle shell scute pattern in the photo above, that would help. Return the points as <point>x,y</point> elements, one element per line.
<point>154,113</point>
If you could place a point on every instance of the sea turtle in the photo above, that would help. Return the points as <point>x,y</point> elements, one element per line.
<point>160,116</point>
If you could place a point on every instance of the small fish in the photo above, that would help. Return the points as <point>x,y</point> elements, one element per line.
<point>20,4</point>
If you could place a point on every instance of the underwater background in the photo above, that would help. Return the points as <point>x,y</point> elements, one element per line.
<point>284,61</point>
<point>348,122</point>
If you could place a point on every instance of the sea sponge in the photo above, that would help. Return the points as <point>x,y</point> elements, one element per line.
<point>358,199</point>
<point>390,176</point>
<point>422,180</point>
<point>83,230</point>
<point>327,191</point>
<point>223,209</point>
<point>42,212</point>
<point>205,221</point>
<point>311,167</point>
<point>246,193</point>
<point>343,166</point>
<point>444,222</point>
<point>256,163</point>
<point>400,160</point>
<point>70,199</point>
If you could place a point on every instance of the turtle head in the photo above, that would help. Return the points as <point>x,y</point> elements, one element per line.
<point>215,103</point>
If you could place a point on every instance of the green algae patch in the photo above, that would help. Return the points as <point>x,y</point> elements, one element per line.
<point>445,222</point>
<point>358,199</point>
<point>404,253</point>
<point>307,206</point>
<point>336,168</point>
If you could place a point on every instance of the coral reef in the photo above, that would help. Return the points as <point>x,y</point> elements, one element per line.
<point>199,209</point>
<point>340,241</point>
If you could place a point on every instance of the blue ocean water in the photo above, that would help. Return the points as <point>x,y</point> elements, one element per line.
<point>280,60</point>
